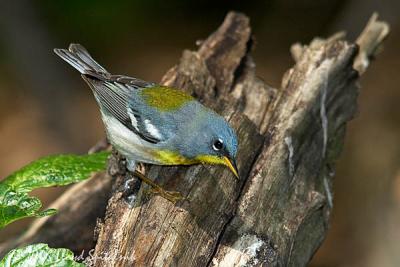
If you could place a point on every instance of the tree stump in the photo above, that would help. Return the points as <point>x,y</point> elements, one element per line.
<point>277,214</point>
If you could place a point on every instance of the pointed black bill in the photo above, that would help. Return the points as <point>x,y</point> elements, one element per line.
<point>231,163</point>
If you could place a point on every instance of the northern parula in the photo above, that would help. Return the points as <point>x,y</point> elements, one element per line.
<point>155,124</point>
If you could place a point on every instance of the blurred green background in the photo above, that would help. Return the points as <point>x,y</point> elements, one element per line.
<point>45,108</point>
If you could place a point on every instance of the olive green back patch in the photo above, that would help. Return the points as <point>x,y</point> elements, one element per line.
<point>165,98</point>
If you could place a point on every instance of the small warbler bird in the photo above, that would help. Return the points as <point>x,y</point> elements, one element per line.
<point>155,124</point>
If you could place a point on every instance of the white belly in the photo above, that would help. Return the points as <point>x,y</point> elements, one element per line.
<point>128,143</point>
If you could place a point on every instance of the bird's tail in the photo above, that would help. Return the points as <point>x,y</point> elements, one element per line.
<point>79,58</point>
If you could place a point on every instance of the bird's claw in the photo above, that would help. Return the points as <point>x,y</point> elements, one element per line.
<point>172,196</point>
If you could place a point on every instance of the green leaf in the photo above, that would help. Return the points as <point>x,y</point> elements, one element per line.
<point>15,203</point>
<point>56,170</point>
<point>39,255</point>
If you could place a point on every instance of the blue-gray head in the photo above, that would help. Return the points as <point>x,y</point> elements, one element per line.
<point>210,139</point>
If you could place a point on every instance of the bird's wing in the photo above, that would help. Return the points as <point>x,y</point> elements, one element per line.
<point>115,95</point>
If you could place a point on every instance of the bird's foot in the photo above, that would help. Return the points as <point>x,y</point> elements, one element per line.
<point>172,196</point>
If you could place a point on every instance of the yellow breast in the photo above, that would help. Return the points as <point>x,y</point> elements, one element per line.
<point>173,158</point>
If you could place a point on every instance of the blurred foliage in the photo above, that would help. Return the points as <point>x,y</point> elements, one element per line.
<point>111,22</point>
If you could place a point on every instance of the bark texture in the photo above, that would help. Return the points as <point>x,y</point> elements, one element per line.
<point>277,214</point>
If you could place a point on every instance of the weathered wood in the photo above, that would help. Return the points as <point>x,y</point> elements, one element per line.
<point>369,42</point>
<point>287,198</point>
<point>277,214</point>
<point>189,231</point>
<point>284,207</point>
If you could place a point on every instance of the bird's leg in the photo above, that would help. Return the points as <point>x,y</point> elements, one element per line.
<point>172,196</point>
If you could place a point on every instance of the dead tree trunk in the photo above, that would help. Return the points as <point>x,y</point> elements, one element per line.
<point>289,140</point>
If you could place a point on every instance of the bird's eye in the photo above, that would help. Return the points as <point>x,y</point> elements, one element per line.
<point>218,145</point>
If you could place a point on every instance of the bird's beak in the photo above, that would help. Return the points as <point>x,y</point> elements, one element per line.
<point>231,163</point>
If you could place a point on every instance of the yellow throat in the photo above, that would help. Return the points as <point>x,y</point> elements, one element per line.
<point>173,158</point>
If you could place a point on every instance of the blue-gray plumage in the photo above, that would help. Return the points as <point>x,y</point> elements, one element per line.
<point>154,124</point>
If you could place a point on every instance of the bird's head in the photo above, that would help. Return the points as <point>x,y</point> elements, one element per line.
<point>211,140</point>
